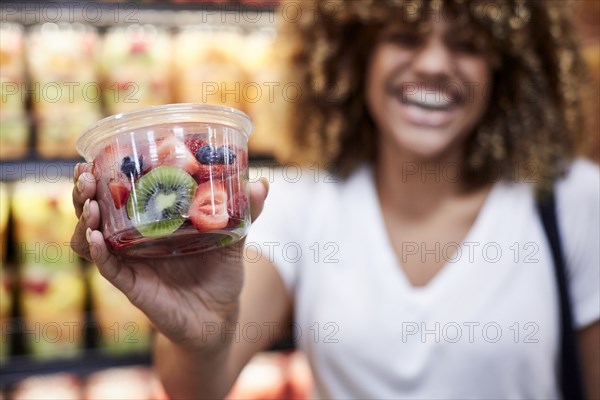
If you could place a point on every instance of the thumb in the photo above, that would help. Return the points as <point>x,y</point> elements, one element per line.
<point>258,194</point>
<point>109,266</point>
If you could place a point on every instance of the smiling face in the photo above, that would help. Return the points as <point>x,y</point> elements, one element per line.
<point>426,91</point>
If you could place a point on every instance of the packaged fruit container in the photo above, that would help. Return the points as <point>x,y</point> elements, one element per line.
<point>136,64</point>
<point>4,210</point>
<point>52,304</point>
<point>43,222</point>
<point>13,119</point>
<point>208,66</point>
<point>64,90</point>
<point>171,179</point>
<point>6,301</point>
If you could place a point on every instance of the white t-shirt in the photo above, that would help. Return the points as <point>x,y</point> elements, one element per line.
<point>486,326</point>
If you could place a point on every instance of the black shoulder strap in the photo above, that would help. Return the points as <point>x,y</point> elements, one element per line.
<point>570,373</point>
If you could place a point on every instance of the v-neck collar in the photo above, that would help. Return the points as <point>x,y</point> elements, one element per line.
<point>379,242</point>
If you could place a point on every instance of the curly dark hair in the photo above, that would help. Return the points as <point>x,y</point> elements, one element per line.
<point>534,120</point>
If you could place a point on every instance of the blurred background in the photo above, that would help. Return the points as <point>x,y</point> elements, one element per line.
<point>66,332</point>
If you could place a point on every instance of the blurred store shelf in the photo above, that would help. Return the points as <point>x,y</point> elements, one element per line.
<point>21,367</point>
<point>36,169</point>
<point>249,13</point>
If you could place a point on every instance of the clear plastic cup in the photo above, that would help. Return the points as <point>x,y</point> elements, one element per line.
<point>172,179</point>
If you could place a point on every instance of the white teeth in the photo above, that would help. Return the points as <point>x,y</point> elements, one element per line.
<point>429,99</point>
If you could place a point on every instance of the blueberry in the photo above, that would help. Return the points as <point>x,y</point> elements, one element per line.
<point>207,155</point>
<point>130,168</point>
<point>226,155</point>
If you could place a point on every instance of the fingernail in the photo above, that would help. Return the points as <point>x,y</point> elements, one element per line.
<point>80,183</point>
<point>86,209</point>
<point>88,235</point>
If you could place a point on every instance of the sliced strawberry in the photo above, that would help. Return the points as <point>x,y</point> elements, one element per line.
<point>172,151</point>
<point>120,193</point>
<point>215,172</point>
<point>105,164</point>
<point>237,201</point>
<point>209,208</point>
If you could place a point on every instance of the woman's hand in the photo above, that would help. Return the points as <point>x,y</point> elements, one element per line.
<point>180,295</point>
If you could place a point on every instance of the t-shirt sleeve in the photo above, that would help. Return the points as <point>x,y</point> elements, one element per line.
<point>578,208</point>
<point>278,229</point>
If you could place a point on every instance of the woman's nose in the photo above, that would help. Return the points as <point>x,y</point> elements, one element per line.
<point>433,59</point>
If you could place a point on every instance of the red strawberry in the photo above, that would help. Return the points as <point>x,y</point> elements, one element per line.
<point>215,172</point>
<point>237,202</point>
<point>119,188</point>
<point>194,144</point>
<point>172,151</point>
<point>209,208</point>
<point>105,164</point>
<point>120,193</point>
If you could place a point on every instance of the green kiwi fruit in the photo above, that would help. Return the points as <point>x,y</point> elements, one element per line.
<point>160,201</point>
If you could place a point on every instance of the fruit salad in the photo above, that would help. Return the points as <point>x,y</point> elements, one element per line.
<point>52,303</point>
<point>136,66</point>
<point>173,188</point>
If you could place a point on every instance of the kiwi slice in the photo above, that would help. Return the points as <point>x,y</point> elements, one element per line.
<point>160,201</point>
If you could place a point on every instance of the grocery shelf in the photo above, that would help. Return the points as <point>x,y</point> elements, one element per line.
<point>262,159</point>
<point>110,13</point>
<point>244,16</point>
<point>21,367</point>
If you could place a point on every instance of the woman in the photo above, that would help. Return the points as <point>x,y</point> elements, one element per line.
<point>422,271</point>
